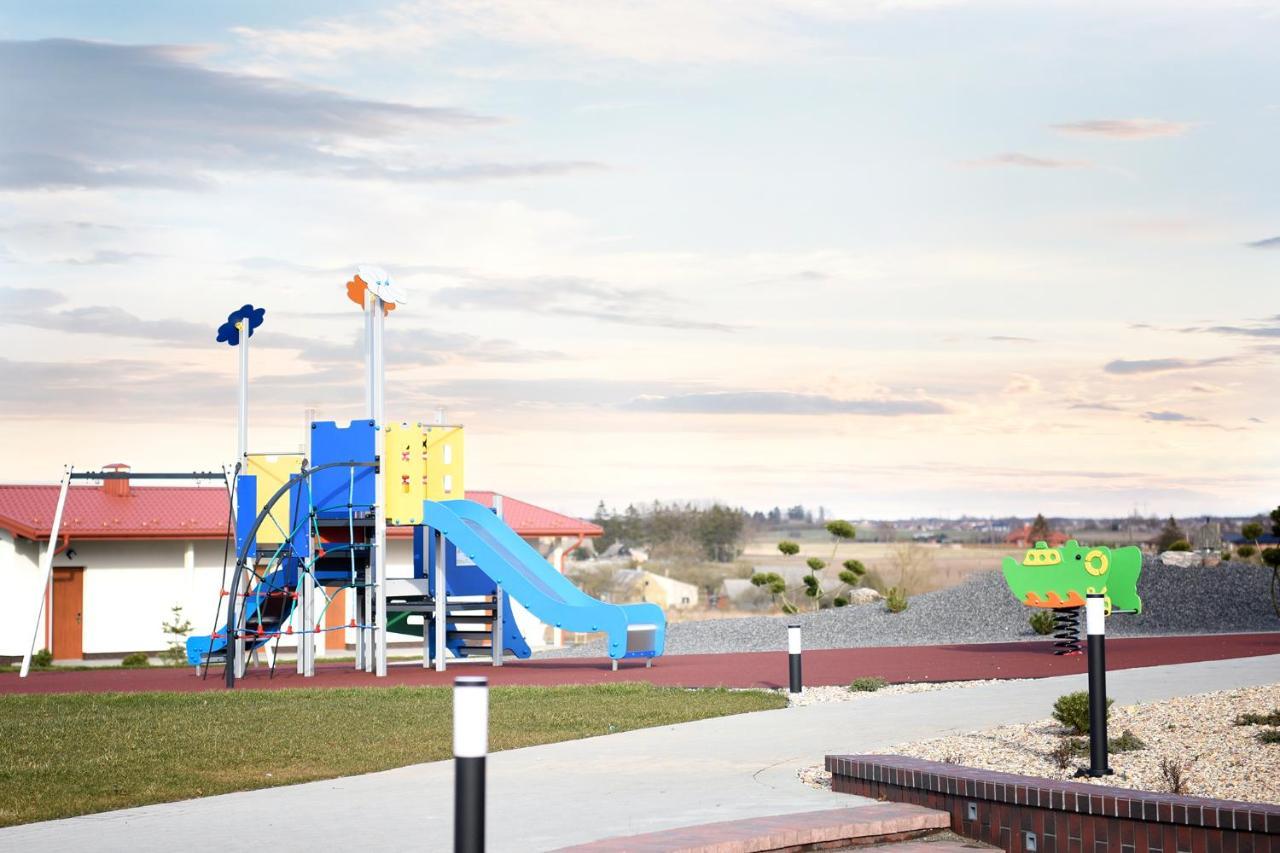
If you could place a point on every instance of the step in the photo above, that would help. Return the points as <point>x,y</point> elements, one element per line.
<point>859,825</point>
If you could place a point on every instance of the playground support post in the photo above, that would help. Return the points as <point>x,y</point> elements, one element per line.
<point>470,746</point>
<point>46,571</point>
<point>793,657</point>
<point>1095,627</point>
<point>379,491</point>
<point>439,595</point>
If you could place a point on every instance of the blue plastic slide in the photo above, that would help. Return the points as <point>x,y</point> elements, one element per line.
<point>272,597</point>
<point>634,630</point>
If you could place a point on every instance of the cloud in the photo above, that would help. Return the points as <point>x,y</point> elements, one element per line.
<point>1124,128</point>
<point>1097,407</point>
<point>1012,339</point>
<point>1170,417</point>
<point>96,115</point>
<point>1255,331</point>
<point>572,296</point>
<point>108,257</point>
<point>1268,243</point>
<point>1022,383</point>
<point>1123,367</point>
<point>780,403</point>
<point>654,32</point>
<point>1027,161</point>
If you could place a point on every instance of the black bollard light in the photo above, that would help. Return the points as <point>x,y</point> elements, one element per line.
<point>1096,629</point>
<point>793,655</point>
<point>470,745</point>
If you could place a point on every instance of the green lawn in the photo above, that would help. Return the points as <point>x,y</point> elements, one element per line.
<point>70,754</point>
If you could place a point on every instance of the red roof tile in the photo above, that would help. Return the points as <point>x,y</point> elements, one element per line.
<point>195,512</point>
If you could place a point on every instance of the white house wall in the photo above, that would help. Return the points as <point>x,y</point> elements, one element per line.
<point>130,587</point>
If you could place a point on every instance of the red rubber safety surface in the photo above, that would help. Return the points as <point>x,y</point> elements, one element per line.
<point>896,664</point>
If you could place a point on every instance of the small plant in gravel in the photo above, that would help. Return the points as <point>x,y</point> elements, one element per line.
<point>1127,742</point>
<point>1176,775</point>
<point>1269,736</point>
<point>1271,718</point>
<point>1180,545</point>
<point>841,531</point>
<point>1072,710</point>
<point>136,660</point>
<point>895,601</point>
<point>867,684</point>
<point>1062,753</point>
<point>1271,556</point>
<point>1041,622</point>
<point>1246,551</point>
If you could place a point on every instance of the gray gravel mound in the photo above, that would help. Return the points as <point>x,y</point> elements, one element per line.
<point>1229,598</point>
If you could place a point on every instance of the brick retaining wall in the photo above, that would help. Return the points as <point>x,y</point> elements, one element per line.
<point>1015,812</point>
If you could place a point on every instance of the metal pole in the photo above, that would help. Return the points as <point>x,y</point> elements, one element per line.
<point>1095,627</point>
<point>46,571</point>
<point>440,596</point>
<point>793,657</point>
<point>379,492</point>
<point>470,746</point>
<point>365,651</point>
<point>242,415</point>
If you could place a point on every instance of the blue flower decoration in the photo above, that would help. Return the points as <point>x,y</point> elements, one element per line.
<point>229,334</point>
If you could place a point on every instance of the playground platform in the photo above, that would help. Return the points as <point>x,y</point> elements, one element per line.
<point>895,664</point>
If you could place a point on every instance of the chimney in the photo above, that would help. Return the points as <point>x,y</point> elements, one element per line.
<point>116,488</point>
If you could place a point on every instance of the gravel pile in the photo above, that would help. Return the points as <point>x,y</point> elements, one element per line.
<point>1229,598</point>
<point>1197,734</point>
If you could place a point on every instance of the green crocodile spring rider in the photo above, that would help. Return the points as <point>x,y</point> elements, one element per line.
<point>1060,578</point>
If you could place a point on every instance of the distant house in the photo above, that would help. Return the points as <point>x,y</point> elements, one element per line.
<point>638,585</point>
<point>1022,538</point>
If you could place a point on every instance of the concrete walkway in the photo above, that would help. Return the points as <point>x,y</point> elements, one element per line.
<point>560,794</point>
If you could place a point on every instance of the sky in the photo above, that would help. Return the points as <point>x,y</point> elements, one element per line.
<point>892,257</point>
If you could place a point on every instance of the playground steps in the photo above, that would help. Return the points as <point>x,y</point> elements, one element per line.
<point>860,826</point>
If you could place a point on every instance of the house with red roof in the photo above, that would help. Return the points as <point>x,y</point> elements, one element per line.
<point>127,554</point>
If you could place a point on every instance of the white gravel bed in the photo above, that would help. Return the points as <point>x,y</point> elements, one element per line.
<point>842,693</point>
<point>1197,733</point>
<point>1228,598</point>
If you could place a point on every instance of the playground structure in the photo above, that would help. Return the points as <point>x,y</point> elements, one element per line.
<point>308,526</point>
<point>1062,579</point>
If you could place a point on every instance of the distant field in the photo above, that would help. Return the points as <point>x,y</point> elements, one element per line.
<point>946,565</point>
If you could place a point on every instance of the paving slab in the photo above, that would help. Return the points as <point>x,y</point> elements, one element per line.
<point>557,795</point>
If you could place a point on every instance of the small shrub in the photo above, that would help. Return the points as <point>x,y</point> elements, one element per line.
<point>1271,556</point>
<point>42,659</point>
<point>1226,554</point>
<point>1269,736</point>
<point>840,601</point>
<point>895,601</point>
<point>1072,710</point>
<point>1042,622</point>
<point>1175,775</point>
<point>136,660</point>
<point>1180,545</point>
<point>1271,718</point>
<point>788,547</point>
<point>1127,742</point>
<point>868,684</point>
<point>1246,551</point>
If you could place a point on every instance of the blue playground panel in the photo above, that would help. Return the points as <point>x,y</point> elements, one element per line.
<point>335,488</point>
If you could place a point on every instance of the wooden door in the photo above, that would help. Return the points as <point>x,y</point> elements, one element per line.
<point>68,614</point>
<point>335,639</point>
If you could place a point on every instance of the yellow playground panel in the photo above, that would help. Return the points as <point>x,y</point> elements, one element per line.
<point>422,463</point>
<point>444,464</point>
<point>272,473</point>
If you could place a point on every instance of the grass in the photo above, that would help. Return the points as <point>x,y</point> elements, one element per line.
<point>71,754</point>
<point>867,684</point>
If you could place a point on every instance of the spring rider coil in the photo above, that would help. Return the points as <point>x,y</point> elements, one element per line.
<point>1066,630</point>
